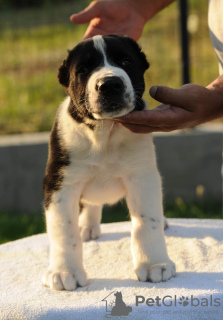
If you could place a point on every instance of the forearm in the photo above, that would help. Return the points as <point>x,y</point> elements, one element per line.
<point>148,8</point>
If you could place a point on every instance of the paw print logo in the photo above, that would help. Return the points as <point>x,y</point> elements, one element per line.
<point>184,301</point>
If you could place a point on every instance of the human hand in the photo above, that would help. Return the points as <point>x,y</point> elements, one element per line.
<point>181,108</point>
<point>121,17</point>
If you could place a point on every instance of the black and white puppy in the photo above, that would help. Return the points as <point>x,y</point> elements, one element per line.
<point>95,161</point>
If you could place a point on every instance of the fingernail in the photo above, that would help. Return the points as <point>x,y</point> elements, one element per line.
<point>152,91</point>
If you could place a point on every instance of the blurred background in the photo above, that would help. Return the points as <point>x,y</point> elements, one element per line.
<point>34,37</point>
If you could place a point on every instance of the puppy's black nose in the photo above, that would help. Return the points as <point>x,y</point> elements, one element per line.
<point>112,85</point>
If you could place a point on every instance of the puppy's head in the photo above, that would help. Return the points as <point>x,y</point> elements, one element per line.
<point>104,77</point>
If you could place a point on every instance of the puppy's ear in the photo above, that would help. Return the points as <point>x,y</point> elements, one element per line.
<point>63,74</point>
<point>144,62</point>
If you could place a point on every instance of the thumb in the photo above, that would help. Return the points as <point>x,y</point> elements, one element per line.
<point>89,13</point>
<point>176,97</point>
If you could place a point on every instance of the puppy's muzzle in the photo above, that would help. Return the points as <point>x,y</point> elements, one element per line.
<point>110,93</point>
<point>110,86</point>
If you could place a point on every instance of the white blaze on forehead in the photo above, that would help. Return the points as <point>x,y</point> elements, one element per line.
<point>100,45</point>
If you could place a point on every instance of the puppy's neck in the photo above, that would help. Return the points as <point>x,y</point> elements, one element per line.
<point>81,115</point>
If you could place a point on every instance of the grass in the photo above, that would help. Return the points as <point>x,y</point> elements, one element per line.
<point>33,43</point>
<point>15,225</point>
<point>32,47</point>
<point>195,210</point>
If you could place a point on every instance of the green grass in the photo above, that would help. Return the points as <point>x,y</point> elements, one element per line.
<point>33,44</point>
<point>198,210</point>
<point>14,225</point>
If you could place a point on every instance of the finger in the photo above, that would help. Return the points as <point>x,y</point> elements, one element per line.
<point>158,116</point>
<point>147,129</point>
<point>136,128</point>
<point>162,116</point>
<point>92,31</point>
<point>89,13</point>
<point>137,117</point>
<point>183,97</point>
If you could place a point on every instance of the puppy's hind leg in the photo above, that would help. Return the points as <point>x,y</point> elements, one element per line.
<point>89,222</point>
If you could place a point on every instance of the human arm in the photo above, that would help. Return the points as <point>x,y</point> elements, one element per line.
<point>122,17</point>
<point>180,108</point>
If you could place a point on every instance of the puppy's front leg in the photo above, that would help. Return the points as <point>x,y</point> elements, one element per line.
<point>150,258</point>
<point>66,266</point>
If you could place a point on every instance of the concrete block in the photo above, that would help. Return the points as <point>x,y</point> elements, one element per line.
<point>186,160</point>
<point>22,166</point>
<point>189,164</point>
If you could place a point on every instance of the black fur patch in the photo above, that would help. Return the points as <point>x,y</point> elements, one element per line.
<point>80,116</point>
<point>119,49</point>
<point>58,158</point>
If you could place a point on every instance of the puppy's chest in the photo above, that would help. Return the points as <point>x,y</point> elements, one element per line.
<point>101,175</point>
<point>104,154</point>
<point>100,163</point>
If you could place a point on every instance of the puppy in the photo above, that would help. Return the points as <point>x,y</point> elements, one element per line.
<point>95,161</point>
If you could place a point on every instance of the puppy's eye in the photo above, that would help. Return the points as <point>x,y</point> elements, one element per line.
<point>127,62</point>
<point>82,70</point>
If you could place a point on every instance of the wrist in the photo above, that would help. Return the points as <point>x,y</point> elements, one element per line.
<point>216,89</point>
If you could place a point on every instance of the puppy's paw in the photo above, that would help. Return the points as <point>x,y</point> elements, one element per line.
<point>157,272</point>
<point>88,233</point>
<point>64,280</point>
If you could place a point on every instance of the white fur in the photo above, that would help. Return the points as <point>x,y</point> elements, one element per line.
<point>99,45</point>
<point>106,164</point>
